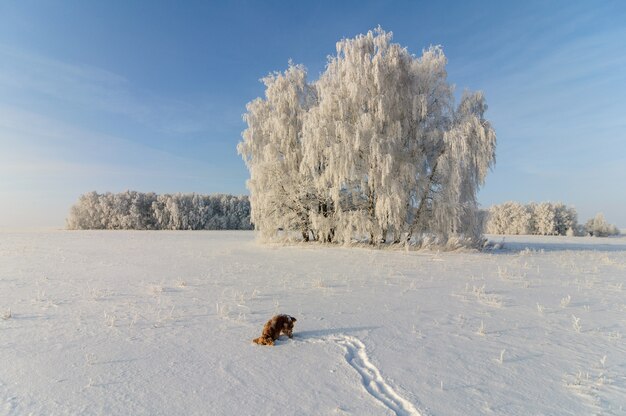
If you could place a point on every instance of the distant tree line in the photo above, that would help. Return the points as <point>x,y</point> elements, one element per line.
<point>545,218</point>
<point>132,210</point>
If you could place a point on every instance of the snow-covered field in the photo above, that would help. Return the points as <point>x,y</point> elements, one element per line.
<point>162,322</point>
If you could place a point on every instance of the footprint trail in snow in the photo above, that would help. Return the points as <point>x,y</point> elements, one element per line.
<point>373,382</point>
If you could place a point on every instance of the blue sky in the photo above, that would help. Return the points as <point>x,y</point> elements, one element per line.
<point>148,96</point>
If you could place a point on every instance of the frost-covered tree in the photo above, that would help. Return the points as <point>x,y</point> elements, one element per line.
<point>86,214</point>
<point>374,149</point>
<point>598,227</point>
<point>140,216</point>
<point>566,219</point>
<point>509,218</point>
<point>468,154</point>
<point>544,219</point>
<point>280,194</point>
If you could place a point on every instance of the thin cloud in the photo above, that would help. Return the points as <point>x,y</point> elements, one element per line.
<point>99,90</point>
<point>33,144</point>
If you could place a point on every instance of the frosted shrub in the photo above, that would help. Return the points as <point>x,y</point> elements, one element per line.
<point>481,330</point>
<point>566,301</point>
<point>501,359</point>
<point>375,149</point>
<point>598,227</point>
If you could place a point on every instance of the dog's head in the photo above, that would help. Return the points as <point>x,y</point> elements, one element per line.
<point>287,321</point>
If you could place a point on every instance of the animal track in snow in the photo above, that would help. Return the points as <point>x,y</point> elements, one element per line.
<point>373,382</point>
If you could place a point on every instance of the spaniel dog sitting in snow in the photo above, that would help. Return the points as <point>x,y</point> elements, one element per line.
<point>273,328</point>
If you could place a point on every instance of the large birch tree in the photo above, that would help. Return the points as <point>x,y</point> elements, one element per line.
<point>374,150</point>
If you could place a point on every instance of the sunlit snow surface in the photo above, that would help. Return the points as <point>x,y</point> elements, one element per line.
<point>161,323</point>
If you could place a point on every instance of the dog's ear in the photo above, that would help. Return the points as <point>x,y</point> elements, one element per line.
<point>293,319</point>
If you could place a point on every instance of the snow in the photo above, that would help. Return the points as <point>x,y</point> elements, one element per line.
<point>161,323</point>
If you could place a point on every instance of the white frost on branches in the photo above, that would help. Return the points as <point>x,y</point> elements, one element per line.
<point>374,150</point>
<point>546,218</point>
<point>509,218</point>
<point>132,210</point>
<point>598,227</point>
<point>280,195</point>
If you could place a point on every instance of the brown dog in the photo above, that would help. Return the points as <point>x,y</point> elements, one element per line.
<point>273,328</point>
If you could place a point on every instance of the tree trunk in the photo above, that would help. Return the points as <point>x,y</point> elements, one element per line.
<point>372,215</point>
<point>420,207</point>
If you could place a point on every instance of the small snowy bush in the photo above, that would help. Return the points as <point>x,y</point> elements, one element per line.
<point>598,227</point>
